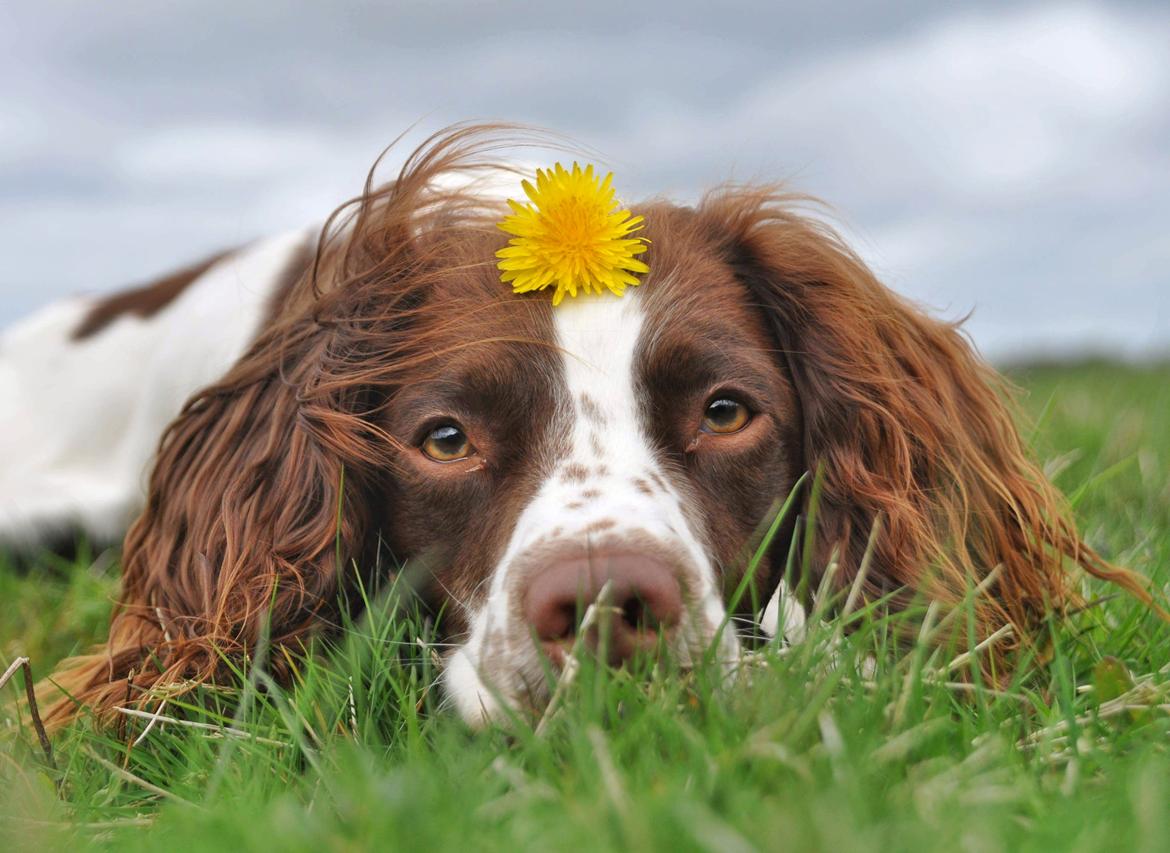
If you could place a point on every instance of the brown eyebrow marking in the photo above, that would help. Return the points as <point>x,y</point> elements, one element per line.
<point>591,410</point>
<point>574,473</point>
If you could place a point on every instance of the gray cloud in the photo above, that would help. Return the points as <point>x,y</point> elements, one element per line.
<point>1014,160</point>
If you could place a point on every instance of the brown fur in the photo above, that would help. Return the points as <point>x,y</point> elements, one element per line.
<point>145,301</point>
<point>907,424</point>
<point>300,454</point>
<point>293,273</point>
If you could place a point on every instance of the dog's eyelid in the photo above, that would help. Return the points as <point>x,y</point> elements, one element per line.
<point>744,393</point>
<point>431,423</point>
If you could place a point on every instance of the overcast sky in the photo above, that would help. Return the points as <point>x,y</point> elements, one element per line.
<point>1011,159</point>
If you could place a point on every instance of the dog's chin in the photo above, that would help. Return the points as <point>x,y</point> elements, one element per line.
<point>466,693</point>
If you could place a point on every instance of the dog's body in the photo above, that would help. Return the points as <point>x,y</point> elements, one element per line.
<point>385,390</point>
<point>88,385</point>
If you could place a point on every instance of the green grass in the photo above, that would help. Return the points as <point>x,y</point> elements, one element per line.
<point>805,752</point>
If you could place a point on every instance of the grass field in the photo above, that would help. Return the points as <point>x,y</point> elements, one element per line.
<point>806,752</point>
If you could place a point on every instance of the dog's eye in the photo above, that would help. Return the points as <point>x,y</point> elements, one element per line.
<point>446,443</point>
<point>725,415</point>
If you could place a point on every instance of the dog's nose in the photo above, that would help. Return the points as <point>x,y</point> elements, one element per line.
<point>644,600</point>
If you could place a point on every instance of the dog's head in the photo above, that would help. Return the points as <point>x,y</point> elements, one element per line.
<point>542,452</point>
<point>527,455</point>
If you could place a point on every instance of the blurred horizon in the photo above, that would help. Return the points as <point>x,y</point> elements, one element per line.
<point>1010,161</point>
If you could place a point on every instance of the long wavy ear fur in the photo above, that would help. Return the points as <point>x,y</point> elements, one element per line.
<point>907,424</point>
<point>264,486</point>
<point>244,525</point>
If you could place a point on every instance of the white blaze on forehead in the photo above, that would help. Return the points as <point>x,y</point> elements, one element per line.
<point>599,340</point>
<point>599,337</point>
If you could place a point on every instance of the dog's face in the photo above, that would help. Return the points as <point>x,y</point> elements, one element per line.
<point>545,451</point>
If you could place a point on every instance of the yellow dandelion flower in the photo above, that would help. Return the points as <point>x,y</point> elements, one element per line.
<point>572,235</point>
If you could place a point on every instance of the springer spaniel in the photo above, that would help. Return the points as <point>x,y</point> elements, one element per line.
<point>380,388</point>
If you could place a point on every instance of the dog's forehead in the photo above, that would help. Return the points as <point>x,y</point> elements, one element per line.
<point>693,292</point>
<point>690,297</point>
<point>471,325</point>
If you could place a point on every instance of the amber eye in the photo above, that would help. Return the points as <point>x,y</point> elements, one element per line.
<point>446,443</point>
<point>724,416</point>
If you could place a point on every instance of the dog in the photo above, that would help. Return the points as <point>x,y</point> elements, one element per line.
<point>308,403</point>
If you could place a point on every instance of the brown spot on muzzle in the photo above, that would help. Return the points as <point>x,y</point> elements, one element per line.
<point>598,526</point>
<point>591,411</point>
<point>574,473</point>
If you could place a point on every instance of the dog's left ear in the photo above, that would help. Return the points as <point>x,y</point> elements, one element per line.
<point>269,488</point>
<point>907,424</point>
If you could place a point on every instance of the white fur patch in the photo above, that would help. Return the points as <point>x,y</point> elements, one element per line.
<point>784,619</point>
<point>80,420</point>
<point>601,478</point>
